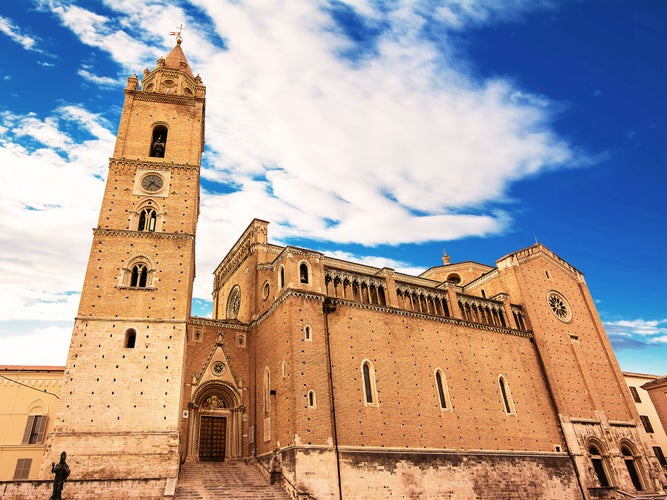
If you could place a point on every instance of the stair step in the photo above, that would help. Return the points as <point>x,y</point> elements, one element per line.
<point>204,481</point>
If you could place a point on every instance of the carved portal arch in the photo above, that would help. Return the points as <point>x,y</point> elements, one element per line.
<point>223,390</point>
<point>216,423</point>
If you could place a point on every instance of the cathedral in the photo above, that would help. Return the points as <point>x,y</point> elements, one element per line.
<point>468,381</point>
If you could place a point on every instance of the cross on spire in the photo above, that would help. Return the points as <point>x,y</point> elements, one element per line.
<point>177,34</point>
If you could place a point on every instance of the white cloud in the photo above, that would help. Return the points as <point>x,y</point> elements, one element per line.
<point>16,34</point>
<point>53,345</point>
<point>392,150</point>
<point>103,81</point>
<point>648,330</point>
<point>50,202</point>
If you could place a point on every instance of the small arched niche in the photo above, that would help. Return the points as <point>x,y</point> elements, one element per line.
<point>158,141</point>
<point>130,338</point>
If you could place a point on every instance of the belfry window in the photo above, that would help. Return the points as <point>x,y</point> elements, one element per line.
<point>159,141</point>
<point>147,219</point>
<point>139,276</point>
<point>303,273</point>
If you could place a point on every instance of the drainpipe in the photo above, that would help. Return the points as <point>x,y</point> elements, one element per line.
<point>328,307</point>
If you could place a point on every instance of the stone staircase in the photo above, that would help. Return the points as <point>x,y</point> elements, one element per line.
<point>231,479</point>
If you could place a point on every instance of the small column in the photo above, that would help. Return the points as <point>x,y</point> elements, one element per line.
<point>507,309</point>
<point>390,286</point>
<point>455,310</point>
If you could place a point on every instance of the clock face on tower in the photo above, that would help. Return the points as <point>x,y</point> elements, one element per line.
<point>152,182</point>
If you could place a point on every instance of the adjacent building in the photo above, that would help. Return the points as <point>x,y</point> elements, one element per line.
<point>28,401</point>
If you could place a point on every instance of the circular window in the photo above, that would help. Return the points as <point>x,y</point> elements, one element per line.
<point>265,290</point>
<point>559,306</point>
<point>234,303</point>
<point>454,278</point>
<point>218,368</point>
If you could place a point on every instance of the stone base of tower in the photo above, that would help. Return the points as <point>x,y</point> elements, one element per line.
<point>144,489</point>
<point>118,464</point>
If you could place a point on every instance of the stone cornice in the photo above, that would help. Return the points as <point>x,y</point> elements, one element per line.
<point>620,423</point>
<point>115,319</point>
<point>126,233</point>
<point>149,165</point>
<point>141,95</point>
<point>217,323</point>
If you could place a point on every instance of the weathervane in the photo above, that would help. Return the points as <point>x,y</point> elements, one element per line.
<point>177,34</point>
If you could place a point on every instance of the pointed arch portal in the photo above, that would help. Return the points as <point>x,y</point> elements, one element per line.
<point>215,423</point>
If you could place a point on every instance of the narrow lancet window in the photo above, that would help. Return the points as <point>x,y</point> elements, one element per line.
<point>368,379</point>
<point>440,386</point>
<point>267,390</point>
<point>505,393</point>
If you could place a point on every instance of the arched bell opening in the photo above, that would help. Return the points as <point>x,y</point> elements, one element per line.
<point>216,423</point>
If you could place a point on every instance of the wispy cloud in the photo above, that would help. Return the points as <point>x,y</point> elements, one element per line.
<point>18,35</point>
<point>637,333</point>
<point>89,74</point>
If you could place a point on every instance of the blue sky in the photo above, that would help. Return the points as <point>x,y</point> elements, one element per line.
<point>384,132</point>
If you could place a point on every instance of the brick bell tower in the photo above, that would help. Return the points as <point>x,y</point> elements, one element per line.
<point>119,410</point>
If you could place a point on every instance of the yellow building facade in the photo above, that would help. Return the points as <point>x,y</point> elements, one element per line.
<point>28,401</point>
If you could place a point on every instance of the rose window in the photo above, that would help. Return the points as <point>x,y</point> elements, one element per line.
<point>559,306</point>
